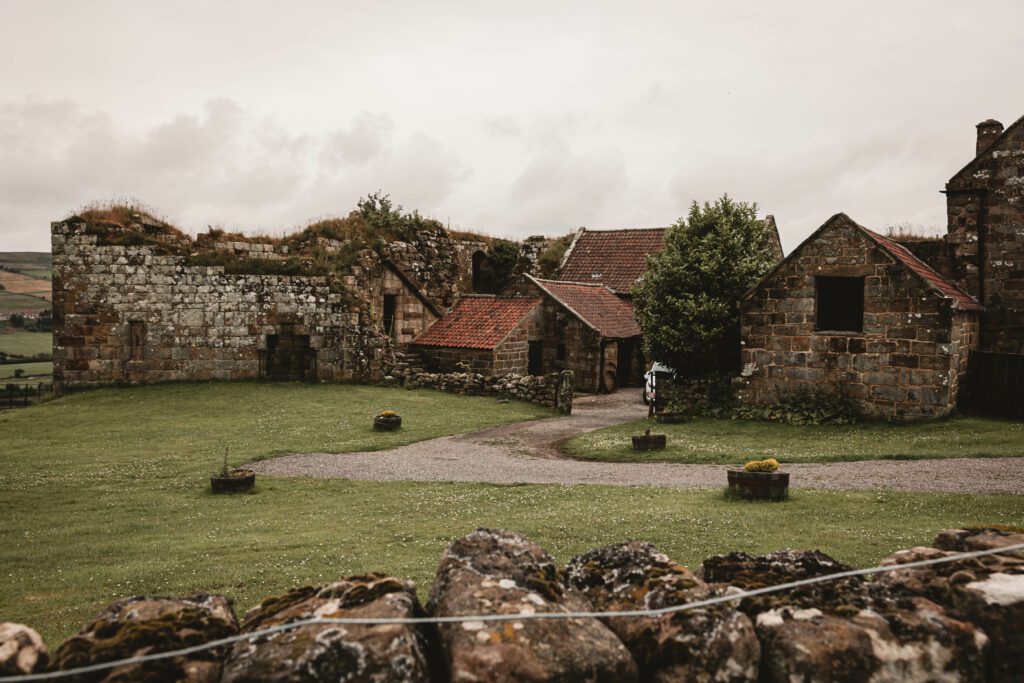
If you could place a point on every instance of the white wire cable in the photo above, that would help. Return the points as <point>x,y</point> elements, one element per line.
<point>518,616</point>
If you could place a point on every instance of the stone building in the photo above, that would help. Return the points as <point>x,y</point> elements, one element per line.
<point>617,258</point>
<point>486,334</point>
<point>585,328</point>
<point>853,310</point>
<point>985,237</point>
<point>143,305</point>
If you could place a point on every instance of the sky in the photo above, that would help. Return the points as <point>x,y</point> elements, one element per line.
<point>509,118</point>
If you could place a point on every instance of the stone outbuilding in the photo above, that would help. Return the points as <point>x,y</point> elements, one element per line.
<point>585,328</point>
<point>487,334</point>
<point>852,310</point>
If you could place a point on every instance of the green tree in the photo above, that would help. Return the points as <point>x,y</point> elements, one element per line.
<point>687,303</point>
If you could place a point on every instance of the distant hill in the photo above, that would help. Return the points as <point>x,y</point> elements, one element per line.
<point>25,276</point>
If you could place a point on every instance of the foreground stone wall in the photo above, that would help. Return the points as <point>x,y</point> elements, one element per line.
<point>961,621</point>
<point>905,364</point>
<point>130,314</point>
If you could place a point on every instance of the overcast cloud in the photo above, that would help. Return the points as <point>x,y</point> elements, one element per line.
<point>511,118</point>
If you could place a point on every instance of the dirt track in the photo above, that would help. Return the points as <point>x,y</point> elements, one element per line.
<point>525,453</point>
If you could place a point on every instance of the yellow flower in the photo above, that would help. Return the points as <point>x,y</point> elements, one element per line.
<point>387,413</point>
<point>769,465</point>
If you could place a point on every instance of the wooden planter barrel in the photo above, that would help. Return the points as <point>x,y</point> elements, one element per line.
<point>759,485</point>
<point>649,442</point>
<point>238,481</point>
<point>387,423</point>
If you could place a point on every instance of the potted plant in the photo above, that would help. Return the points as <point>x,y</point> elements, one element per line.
<point>649,442</point>
<point>759,480</point>
<point>228,480</point>
<point>387,421</point>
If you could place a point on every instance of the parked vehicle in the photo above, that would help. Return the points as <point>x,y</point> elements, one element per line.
<point>651,377</point>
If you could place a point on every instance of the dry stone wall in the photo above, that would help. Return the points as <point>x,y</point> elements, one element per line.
<point>554,390</point>
<point>959,621</point>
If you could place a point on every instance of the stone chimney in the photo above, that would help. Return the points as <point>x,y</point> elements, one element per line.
<point>988,131</point>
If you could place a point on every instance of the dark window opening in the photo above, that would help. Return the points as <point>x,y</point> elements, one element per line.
<point>390,306</point>
<point>560,352</point>
<point>479,260</point>
<point>839,304</point>
<point>535,358</point>
<point>136,338</point>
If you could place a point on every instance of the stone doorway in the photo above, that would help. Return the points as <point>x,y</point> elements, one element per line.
<point>288,357</point>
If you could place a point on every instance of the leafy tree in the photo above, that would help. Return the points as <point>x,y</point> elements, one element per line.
<point>503,264</point>
<point>687,303</point>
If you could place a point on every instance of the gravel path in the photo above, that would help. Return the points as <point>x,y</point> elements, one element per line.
<point>525,453</point>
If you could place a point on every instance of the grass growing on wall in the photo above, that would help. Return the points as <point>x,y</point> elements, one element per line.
<point>730,442</point>
<point>104,495</point>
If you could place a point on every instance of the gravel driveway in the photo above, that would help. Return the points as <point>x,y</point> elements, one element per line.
<point>525,453</point>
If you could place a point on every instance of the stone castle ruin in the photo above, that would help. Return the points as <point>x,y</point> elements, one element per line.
<point>136,300</point>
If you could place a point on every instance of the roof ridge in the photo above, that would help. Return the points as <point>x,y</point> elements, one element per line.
<point>902,253</point>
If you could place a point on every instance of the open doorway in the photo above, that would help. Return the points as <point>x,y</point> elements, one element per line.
<point>288,357</point>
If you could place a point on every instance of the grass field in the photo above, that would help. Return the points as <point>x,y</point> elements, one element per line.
<point>105,495</point>
<point>735,441</point>
<point>34,372</point>
<point>22,343</point>
<point>9,301</point>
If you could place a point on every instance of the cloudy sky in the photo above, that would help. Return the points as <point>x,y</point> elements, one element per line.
<point>512,118</point>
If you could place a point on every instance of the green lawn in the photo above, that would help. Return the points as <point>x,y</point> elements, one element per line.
<point>24,343</point>
<point>735,441</point>
<point>104,495</point>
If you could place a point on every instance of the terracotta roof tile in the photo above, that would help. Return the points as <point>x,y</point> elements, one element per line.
<point>946,288</point>
<point>595,305</point>
<point>478,322</point>
<point>612,257</point>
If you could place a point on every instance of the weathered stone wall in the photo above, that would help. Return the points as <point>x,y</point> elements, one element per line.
<point>905,364</point>
<point>962,620</point>
<point>985,211</point>
<point>554,390</point>
<point>130,314</point>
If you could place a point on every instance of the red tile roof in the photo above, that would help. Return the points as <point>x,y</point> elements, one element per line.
<point>940,284</point>
<point>611,257</point>
<point>478,322</point>
<point>596,305</point>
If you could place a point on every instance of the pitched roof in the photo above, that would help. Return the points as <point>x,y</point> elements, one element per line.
<point>965,174</point>
<point>611,257</point>
<point>938,284</point>
<point>925,272</point>
<point>596,305</point>
<point>478,322</point>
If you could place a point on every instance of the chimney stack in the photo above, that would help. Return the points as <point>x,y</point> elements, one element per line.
<point>988,131</point>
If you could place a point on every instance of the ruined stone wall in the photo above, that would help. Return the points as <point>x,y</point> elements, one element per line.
<point>985,211</point>
<point>130,314</point>
<point>905,364</point>
<point>961,619</point>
